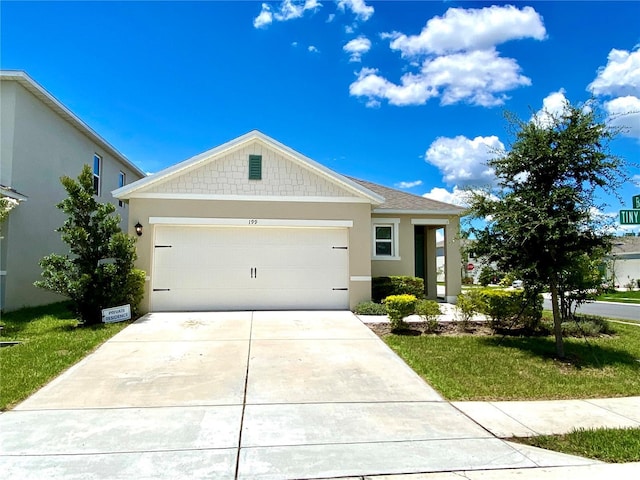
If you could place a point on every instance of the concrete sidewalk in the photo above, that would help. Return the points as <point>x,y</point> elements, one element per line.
<point>552,417</point>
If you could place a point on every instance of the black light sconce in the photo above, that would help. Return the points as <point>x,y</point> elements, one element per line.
<point>138,229</point>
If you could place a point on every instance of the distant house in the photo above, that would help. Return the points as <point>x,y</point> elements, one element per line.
<point>40,141</point>
<point>624,261</point>
<point>252,224</point>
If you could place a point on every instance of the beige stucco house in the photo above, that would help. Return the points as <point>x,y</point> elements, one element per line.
<point>40,141</point>
<point>253,224</point>
<point>624,261</point>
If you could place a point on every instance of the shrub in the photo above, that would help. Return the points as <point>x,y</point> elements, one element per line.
<point>399,307</point>
<point>467,280</point>
<point>468,305</point>
<point>382,287</point>
<point>429,311</point>
<point>581,326</point>
<point>370,308</point>
<point>510,308</point>
<point>92,232</point>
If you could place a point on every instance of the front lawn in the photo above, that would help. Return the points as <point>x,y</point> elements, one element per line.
<point>605,444</point>
<point>524,368</point>
<point>51,343</point>
<point>620,297</point>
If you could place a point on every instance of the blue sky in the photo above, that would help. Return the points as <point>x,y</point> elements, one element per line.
<point>407,94</point>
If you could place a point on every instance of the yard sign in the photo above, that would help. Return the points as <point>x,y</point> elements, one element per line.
<point>116,314</point>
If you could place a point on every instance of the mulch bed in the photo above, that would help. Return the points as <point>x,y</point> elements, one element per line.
<point>420,328</point>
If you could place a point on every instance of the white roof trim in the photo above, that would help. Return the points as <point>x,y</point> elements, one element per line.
<point>128,190</point>
<point>418,212</point>
<point>36,89</point>
<point>248,198</point>
<point>8,192</point>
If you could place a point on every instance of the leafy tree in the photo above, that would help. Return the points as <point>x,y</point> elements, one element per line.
<point>98,271</point>
<point>6,205</point>
<point>581,283</point>
<point>488,275</point>
<point>542,216</point>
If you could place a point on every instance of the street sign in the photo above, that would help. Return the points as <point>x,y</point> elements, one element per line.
<point>116,314</point>
<point>470,267</point>
<point>636,201</point>
<point>630,217</point>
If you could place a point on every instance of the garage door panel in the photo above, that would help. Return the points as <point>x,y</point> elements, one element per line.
<point>223,268</point>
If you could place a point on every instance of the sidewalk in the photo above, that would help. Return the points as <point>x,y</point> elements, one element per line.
<point>552,417</point>
<point>532,418</point>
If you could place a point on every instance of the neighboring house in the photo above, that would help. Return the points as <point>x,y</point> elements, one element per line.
<point>624,261</point>
<point>40,141</point>
<point>253,224</point>
<point>471,266</point>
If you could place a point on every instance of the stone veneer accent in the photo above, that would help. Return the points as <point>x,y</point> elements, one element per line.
<point>229,175</point>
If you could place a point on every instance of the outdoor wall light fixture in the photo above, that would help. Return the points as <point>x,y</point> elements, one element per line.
<point>138,229</point>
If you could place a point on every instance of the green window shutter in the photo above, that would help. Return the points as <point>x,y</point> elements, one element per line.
<point>255,167</point>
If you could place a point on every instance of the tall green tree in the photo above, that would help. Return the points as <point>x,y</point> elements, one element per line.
<point>98,271</point>
<point>542,217</point>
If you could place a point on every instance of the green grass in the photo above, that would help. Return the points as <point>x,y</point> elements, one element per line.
<point>51,343</point>
<point>524,368</point>
<point>620,297</point>
<point>605,444</point>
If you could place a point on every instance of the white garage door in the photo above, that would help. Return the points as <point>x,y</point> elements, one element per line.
<point>250,268</point>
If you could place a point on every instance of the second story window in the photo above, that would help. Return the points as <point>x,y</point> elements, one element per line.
<point>97,169</point>
<point>122,181</point>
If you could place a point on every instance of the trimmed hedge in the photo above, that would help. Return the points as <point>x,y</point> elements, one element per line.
<point>370,308</point>
<point>506,309</point>
<point>399,307</point>
<point>383,287</point>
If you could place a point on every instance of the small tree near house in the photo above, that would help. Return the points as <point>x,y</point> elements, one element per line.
<point>93,234</point>
<point>541,221</point>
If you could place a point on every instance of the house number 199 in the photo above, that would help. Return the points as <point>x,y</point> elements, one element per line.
<point>253,221</point>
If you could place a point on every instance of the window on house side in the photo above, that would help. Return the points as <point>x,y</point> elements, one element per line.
<point>97,167</point>
<point>255,167</point>
<point>122,179</point>
<point>384,241</point>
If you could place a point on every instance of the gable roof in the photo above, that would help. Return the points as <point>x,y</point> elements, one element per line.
<point>355,188</point>
<point>48,99</point>
<point>396,201</point>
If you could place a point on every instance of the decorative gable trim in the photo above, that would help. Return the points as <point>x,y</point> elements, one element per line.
<point>134,189</point>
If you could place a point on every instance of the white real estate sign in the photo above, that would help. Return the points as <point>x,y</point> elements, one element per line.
<point>116,314</point>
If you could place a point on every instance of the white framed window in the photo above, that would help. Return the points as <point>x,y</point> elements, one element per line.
<point>97,170</point>
<point>122,181</point>
<point>385,238</point>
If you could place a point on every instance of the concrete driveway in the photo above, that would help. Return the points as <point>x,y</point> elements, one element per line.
<point>246,395</point>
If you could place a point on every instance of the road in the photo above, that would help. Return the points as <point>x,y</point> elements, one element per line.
<point>626,311</point>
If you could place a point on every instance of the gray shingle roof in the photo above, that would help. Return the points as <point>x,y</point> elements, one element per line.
<point>396,200</point>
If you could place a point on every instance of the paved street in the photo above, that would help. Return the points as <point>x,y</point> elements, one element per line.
<point>625,311</point>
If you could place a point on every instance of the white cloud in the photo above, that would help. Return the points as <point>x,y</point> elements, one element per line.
<point>478,78</point>
<point>455,197</point>
<point>408,184</point>
<point>357,47</point>
<point>288,10</point>
<point>621,75</point>
<point>264,18</point>
<point>463,161</point>
<point>552,106</point>
<point>624,112</point>
<point>313,49</point>
<point>331,17</point>
<point>453,66</point>
<point>471,29</point>
<point>361,10</point>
